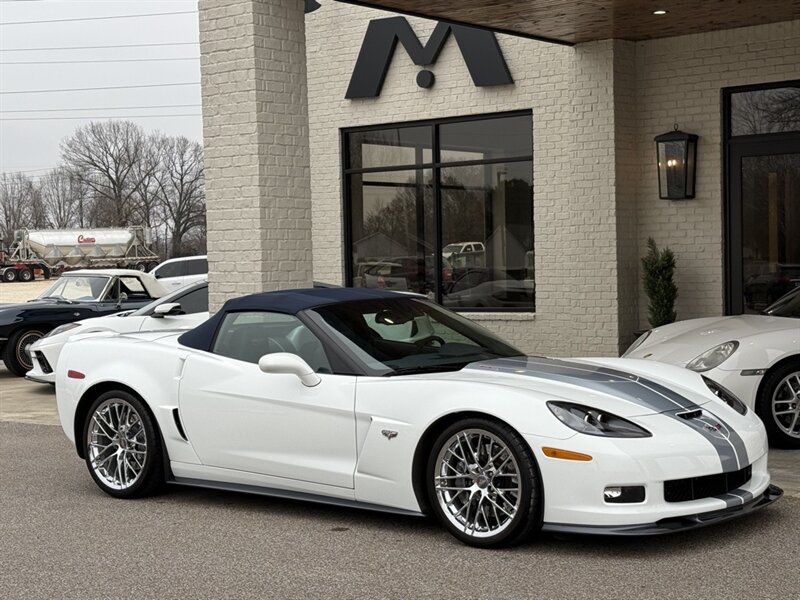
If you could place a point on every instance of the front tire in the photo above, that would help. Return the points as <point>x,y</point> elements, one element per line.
<point>483,484</point>
<point>18,351</point>
<point>779,405</point>
<point>122,446</point>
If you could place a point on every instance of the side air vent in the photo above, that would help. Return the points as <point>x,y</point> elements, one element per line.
<point>178,423</point>
<point>691,414</point>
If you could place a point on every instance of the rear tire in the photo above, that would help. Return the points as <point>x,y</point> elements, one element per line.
<point>9,275</point>
<point>17,351</point>
<point>151,266</point>
<point>46,273</point>
<point>778,405</point>
<point>140,266</point>
<point>122,446</point>
<point>25,275</point>
<point>484,485</point>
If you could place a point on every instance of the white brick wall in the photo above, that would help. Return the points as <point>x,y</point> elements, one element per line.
<point>680,80</point>
<point>255,129</point>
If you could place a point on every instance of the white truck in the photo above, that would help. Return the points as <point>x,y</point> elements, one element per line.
<point>44,252</point>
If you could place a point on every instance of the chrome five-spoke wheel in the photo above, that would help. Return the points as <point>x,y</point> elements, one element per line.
<point>122,447</point>
<point>778,404</point>
<point>786,405</point>
<point>484,483</point>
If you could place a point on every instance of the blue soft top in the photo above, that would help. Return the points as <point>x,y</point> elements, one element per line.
<point>289,302</point>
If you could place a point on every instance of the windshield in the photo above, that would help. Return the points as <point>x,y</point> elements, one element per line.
<point>786,306</point>
<point>408,335</point>
<point>175,296</point>
<point>452,248</point>
<point>77,288</point>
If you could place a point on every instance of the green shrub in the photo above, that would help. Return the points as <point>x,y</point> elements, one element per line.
<point>659,269</point>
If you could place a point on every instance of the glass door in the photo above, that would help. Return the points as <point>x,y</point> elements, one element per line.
<point>763,210</point>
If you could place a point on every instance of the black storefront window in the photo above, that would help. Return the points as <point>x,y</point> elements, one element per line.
<point>443,208</point>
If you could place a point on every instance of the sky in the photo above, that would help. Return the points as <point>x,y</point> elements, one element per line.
<point>32,125</point>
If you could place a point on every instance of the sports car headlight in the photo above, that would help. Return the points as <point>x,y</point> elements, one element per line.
<point>727,396</point>
<point>712,358</point>
<point>592,421</point>
<point>63,328</point>
<point>639,341</point>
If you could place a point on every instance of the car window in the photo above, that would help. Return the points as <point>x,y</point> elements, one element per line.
<point>83,288</point>
<point>194,302</point>
<point>175,269</point>
<point>247,336</point>
<point>197,266</point>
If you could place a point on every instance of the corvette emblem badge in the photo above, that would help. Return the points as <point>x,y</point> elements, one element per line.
<point>389,434</point>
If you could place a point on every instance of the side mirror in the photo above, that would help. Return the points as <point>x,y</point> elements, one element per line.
<point>167,309</point>
<point>289,364</point>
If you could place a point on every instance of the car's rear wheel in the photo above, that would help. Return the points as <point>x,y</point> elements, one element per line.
<point>122,446</point>
<point>18,351</point>
<point>779,405</point>
<point>484,484</point>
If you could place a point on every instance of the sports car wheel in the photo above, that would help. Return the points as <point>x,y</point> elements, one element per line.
<point>18,351</point>
<point>122,446</point>
<point>484,484</point>
<point>779,406</point>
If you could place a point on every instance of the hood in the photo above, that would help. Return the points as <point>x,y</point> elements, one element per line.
<point>626,387</point>
<point>679,343</point>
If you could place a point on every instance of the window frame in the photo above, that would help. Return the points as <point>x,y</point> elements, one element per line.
<point>436,166</point>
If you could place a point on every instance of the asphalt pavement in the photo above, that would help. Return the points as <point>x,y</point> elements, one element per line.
<point>61,537</point>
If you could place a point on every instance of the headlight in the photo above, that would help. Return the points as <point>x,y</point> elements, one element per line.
<point>727,396</point>
<point>639,341</point>
<point>713,358</point>
<point>63,328</point>
<point>592,421</point>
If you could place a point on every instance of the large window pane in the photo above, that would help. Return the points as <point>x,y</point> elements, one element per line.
<point>487,234</point>
<point>765,111</point>
<point>393,230</point>
<point>397,146</point>
<point>770,214</point>
<point>486,139</point>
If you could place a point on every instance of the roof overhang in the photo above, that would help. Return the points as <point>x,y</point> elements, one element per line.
<point>576,21</point>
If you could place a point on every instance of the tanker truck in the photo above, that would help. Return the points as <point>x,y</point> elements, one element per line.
<point>45,252</point>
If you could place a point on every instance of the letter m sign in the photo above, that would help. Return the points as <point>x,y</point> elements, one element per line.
<point>479,47</point>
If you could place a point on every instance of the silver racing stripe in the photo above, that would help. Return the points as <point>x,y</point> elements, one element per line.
<point>736,498</point>
<point>645,393</point>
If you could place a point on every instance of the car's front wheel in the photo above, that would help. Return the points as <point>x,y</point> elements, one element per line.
<point>779,405</point>
<point>17,354</point>
<point>484,484</point>
<point>122,446</point>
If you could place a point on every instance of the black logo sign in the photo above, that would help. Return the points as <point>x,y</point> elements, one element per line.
<point>479,47</point>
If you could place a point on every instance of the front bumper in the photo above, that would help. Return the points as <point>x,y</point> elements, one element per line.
<point>44,358</point>
<point>672,524</point>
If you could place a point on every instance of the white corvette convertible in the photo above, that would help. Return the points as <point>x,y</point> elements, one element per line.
<point>757,357</point>
<point>386,401</point>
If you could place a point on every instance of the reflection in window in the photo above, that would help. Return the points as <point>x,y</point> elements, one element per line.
<point>467,215</point>
<point>765,111</point>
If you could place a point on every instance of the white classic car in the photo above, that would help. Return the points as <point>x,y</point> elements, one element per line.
<point>757,357</point>
<point>184,309</point>
<point>386,401</point>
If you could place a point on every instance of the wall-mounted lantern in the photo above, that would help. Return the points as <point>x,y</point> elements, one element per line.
<point>676,152</point>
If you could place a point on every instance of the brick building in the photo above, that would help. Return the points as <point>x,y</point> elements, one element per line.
<point>516,182</point>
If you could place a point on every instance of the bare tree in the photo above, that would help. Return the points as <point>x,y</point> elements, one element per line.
<point>62,194</point>
<point>109,158</point>
<point>18,194</point>
<point>182,189</point>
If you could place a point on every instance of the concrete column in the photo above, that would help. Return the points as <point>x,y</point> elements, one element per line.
<point>255,129</point>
